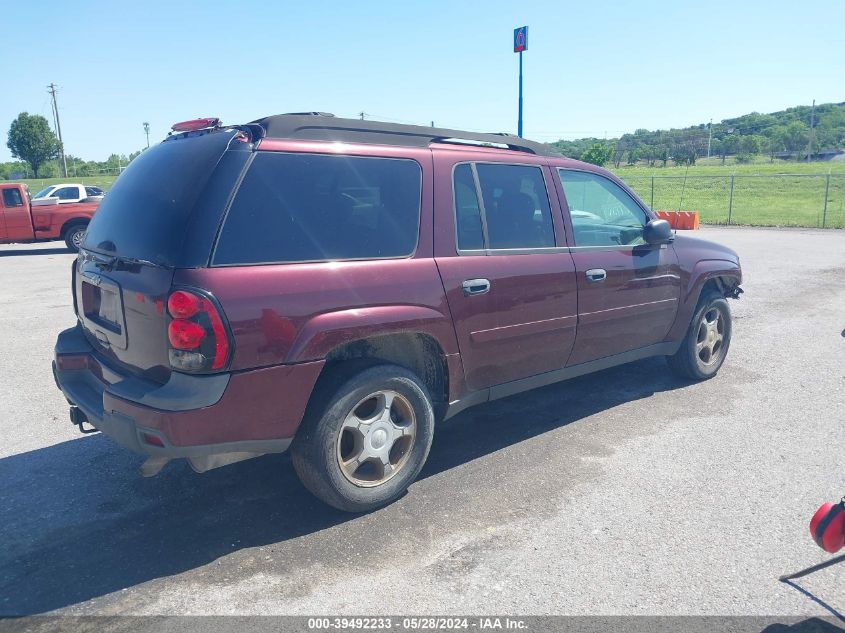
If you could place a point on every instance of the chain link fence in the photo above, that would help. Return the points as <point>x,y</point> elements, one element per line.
<point>813,200</point>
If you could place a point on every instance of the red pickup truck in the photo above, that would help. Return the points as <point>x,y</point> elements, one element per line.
<point>21,221</point>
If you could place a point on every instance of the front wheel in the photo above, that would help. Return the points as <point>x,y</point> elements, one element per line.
<point>369,440</point>
<point>74,236</point>
<point>706,344</point>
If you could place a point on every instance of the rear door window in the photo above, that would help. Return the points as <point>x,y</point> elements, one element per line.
<point>467,210</point>
<point>515,213</point>
<point>67,193</point>
<point>310,207</point>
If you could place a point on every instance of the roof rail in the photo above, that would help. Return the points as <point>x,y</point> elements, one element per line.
<point>308,114</point>
<point>322,127</point>
<point>470,141</point>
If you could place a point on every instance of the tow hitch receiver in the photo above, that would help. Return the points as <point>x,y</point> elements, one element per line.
<point>78,417</point>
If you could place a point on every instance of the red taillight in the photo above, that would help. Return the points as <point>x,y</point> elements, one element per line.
<point>184,334</point>
<point>195,124</point>
<point>197,334</point>
<point>183,305</point>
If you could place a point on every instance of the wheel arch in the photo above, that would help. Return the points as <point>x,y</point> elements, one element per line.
<point>725,285</point>
<point>79,220</point>
<point>418,352</point>
<point>724,276</point>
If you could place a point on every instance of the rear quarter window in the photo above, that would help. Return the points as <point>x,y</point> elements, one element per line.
<point>310,207</point>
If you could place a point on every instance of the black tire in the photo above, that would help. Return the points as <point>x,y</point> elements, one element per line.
<point>73,234</point>
<point>316,450</point>
<point>688,361</point>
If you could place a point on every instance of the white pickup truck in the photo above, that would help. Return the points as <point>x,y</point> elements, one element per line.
<point>66,193</point>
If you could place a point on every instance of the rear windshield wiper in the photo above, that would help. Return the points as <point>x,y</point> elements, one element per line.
<point>118,262</point>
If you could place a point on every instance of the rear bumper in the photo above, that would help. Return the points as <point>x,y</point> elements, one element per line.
<point>255,411</point>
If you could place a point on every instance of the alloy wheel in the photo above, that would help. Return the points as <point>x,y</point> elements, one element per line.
<point>376,438</point>
<point>710,337</point>
<point>76,237</point>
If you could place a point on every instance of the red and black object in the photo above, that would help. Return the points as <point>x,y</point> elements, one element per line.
<point>827,527</point>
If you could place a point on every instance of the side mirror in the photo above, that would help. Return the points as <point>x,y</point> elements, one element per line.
<point>657,232</point>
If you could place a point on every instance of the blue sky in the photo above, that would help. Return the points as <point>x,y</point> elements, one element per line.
<point>592,68</point>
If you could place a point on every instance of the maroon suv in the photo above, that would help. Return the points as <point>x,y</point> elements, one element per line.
<point>336,286</point>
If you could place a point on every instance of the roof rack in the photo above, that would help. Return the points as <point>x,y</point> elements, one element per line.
<point>307,114</point>
<point>314,126</point>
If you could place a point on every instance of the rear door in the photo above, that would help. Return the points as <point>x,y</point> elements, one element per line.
<point>509,280</point>
<point>628,290</point>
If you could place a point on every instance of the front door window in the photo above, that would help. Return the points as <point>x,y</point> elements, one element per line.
<point>603,214</point>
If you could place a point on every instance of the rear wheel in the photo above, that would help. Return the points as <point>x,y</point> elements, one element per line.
<point>706,344</point>
<point>369,440</point>
<point>73,236</point>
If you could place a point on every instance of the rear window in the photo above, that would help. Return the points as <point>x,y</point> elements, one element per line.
<point>146,213</point>
<point>308,207</point>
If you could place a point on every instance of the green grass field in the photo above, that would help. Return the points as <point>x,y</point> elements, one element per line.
<point>765,194</point>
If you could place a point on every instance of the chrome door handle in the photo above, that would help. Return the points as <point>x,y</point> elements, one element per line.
<point>476,286</point>
<point>596,274</point>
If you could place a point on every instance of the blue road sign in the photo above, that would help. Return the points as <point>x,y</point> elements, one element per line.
<point>520,39</point>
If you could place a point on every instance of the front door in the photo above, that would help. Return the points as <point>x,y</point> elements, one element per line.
<point>509,280</point>
<point>628,290</point>
<point>17,221</point>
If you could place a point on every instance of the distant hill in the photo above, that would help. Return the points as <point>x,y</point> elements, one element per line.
<point>781,134</point>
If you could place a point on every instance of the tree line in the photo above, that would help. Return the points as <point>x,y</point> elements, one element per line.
<point>790,133</point>
<point>31,140</point>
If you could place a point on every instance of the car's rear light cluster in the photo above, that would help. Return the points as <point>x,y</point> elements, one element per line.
<point>199,340</point>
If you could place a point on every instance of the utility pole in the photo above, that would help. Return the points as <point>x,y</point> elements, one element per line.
<point>147,132</point>
<point>709,137</point>
<point>812,131</point>
<point>52,91</point>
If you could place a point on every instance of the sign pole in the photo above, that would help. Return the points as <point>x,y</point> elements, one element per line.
<point>520,43</point>
<point>519,123</point>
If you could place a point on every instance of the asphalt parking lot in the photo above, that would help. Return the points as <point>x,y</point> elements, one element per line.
<point>625,492</point>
